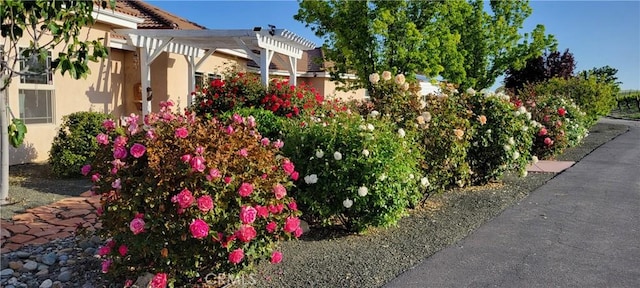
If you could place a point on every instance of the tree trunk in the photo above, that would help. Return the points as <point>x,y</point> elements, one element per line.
<point>4,125</point>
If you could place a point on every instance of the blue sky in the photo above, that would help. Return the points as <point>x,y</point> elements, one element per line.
<point>598,33</point>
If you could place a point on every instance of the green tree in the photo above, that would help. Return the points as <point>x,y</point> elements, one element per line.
<point>45,25</point>
<point>458,40</point>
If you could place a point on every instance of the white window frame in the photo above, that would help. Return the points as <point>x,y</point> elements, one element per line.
<point>48,87</point>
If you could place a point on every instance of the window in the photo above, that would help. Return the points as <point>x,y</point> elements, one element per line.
<point>36,91</point>
<point>42,72</point>
<point>203,80</point>
<point>36,106</point>
<point>200,80</point>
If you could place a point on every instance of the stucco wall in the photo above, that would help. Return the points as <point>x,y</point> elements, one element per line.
<point>110,88</point>
<point>329,89</point>
<point>69,95</point>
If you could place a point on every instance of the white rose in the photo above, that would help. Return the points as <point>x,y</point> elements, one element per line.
<point>319,154</point>
<point>337,155</point>
<point>363,191</point>
<point>365,152</point>
<point>347,203</point>
<point>424,181</point>
<point>401,133</point>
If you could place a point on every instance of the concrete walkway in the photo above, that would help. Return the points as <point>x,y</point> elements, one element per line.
<point>581,229</point>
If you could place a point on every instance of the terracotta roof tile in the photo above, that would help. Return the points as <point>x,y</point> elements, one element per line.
<point>154,17</point>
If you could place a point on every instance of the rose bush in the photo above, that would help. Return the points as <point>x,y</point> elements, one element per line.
<point>559,122</point>
<point>445,136</point>
<point>359,172</point>
<point>240,90</point>
<point>503,136</point>
<point>185,197</point>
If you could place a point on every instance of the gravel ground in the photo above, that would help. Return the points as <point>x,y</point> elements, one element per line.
<point>33,185</point>
<point>332,258</point>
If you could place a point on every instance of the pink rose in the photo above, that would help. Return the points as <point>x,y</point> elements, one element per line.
<point>251,122</point>
<point>295,175</point>
<point>546,118</point>
<point>137,150</point>
<point>548,141</point>
<point>158,281</point>
<point>262,211</point>
<point>151,135</point>
<point>246,233</point>
<point>227,179</point>
<point>185,158</point>
<point>119,152</point>
<point>279,191</point>
<point>128,283</point>
<point>120,141</point>
<point>205,203</point>
<point>123,250</point>
<point>116,184</point>
<point>288,167</point>
<point>243,152</point>
<point>542,132</point>
<point>85,170</point>
<point>291,224</point>
<point>199,229</point>
<point>137,226</point>
<point>200,150</point>
<point>237,118</point>
<point>236,256</point>
<point>276,209</point>
<point>264,176</point>
<point>102,139</point>
<point>197,163</point>
<point>271,227</point>
<point>298,232</point>
<point>109,124</point>
<point>278,144</point>
<point>110,243</point>
<point>293,206</point>
<point>182,132</point>
<point>245,189</point>
<point>265,141</point>
<point>276,257</point>
<point>229,130</point>
<point>248,214</point>
<point>104,250</point>
<point>105,266</point>
<point>184,198</point>
<point>95,177</point>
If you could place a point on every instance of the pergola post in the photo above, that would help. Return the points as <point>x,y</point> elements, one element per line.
<point>145,80</point>
<point>265,61</point>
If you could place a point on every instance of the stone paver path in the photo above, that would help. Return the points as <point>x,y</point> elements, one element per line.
<point>42,224</point>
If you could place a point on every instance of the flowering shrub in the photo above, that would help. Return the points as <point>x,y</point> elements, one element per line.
<point>245,90</point>
<point>268,124</point>
<point>183,198</point>
<point>559,123</point>
<point>445,133</point>
<point>237,90</point>
<point>503,137</point>
<point>360,172</point>
<point>394,97</point>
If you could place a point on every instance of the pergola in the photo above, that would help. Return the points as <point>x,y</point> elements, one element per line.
<point>197,45</point>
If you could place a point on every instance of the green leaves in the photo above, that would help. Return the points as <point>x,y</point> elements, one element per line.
<point>17,131</point>
<point>457,40</point>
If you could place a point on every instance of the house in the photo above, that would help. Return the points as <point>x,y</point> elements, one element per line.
<point>173,65</point>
